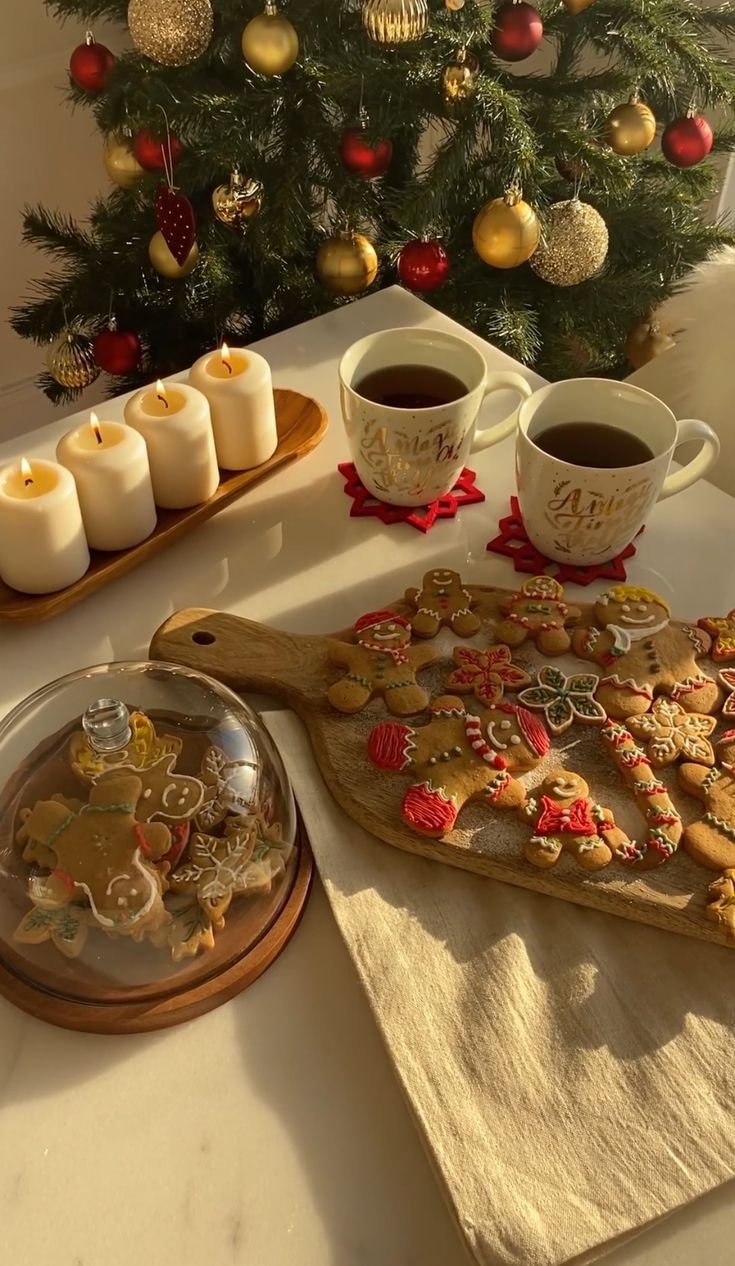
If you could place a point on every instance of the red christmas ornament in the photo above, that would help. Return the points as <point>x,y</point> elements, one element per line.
<point>153,152</point>
<point>176,219</point>
<point>423,265</point>
<point>518,31</point>
<point>117,351</point>
<point>90,65</point>
<point>686,141</point>
<point>364,158</point>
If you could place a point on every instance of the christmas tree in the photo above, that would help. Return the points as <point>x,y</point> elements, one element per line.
<point>271,164</point>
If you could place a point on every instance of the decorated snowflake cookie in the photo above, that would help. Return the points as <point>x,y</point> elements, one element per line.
<point>564,700</point>
<point>672,734</point>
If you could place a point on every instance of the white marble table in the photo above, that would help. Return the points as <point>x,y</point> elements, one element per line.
<point>273,1131</point>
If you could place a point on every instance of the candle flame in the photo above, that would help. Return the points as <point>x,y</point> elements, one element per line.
<point>26,471</point>
<point>94,422</point>
<point>161,393</point>
<point>225,353</point>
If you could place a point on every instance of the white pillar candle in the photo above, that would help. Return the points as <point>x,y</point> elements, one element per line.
<point>109,463</point>
<point>42,543</point>
<point>175,423</point>
<point>238,386</point>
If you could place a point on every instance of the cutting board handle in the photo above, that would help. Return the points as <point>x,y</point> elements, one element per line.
<point>245,655</point>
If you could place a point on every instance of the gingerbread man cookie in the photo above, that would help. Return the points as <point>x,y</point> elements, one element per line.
<point>537,611</point>
<point>174,797</point>
<point>645,654</point>
<point>443,600</point>
<point>381,663</point>
<point>722,630</point>
<point>711,840</point>
<point>565,818</point>
<point>663,821</point>
<point>485,674</point>
<point>103,856</point>
<point>459,756</point>
<point>721,902</point>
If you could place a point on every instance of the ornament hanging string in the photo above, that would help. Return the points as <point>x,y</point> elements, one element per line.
<point>166,153</point>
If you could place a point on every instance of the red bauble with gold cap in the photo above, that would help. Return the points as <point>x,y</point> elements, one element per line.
<point>362,157</point>
<point>90,65</point>
<point>686,141</point>
<point>423,265</point>
<point>517,32</point>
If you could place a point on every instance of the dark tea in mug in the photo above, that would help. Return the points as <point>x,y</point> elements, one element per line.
<point>410,387</point>
<point>594,444</point>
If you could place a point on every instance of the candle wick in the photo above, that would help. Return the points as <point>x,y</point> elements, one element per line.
<point>98,435</point>
<point>164,401</point>
<point>228,366</point>
<point>27,482</point>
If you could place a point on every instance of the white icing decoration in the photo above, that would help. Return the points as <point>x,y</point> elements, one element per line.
<point>144,909</point>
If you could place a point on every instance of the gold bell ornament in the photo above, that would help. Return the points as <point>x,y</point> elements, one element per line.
<point>573,244</point>
<point>171,32</point>
<point>270,44</point>
<point>120,162</point>
<point>164,262</point>
<point>645,341</point>
<point>631,128</point>
<point>347,264</point>
<point>506,230</point>
<point>70,360</point>
<point>395,21</point>
<point>238,202</point>
<point>458,77</point>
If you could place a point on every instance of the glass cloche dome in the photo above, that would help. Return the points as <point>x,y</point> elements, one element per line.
<point>148,837</point>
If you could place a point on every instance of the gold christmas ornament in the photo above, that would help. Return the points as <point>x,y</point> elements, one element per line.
<point>458,77</point>
<point>631,128</point>
<point>121,164</point>
<point>573,244</point>
<point>454,6</point>
<point>347,264</point>
<point>172,32</point>
<point>577,6</point>
<point>164,262</point>
<point>70,360</point>
<point>238,202</point>
<point>395,21</point>
<point>646,341</point>
<point>506,231</point>
<point>270,44</point>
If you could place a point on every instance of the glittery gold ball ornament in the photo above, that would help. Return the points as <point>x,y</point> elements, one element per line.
<point>70,360</point>
<point>238,202</point>
<point>395,21</point>
<point>573,244</point>
<point>506,231</point>
<point>458,77</point>
<point>646,341</point>
<point>347,264</point>
<point>270,44</point>
<point>121,164</point>
<point>164,262</point>
<point>172,32</point>
<point>631,128</point>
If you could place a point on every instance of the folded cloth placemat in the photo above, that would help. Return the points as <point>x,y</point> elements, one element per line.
<point>572,1073</point>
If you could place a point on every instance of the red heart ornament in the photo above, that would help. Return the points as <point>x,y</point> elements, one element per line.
<point>176,219</point>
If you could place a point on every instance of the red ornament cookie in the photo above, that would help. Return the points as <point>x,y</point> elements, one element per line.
<point>459,756</point>
<point>565,818</point>
<point>537,611</point>
<point>382,662</point>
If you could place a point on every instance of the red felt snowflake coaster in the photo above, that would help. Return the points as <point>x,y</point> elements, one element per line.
<point>365,505</point>
<point>512,542</point>
<point>176,219</point>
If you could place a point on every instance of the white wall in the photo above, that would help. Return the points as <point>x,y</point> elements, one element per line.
<point>50,154</point>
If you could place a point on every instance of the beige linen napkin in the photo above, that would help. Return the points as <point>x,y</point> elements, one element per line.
<point>572,1073</point>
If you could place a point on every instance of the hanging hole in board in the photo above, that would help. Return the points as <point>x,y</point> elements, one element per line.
<point>202,638</point>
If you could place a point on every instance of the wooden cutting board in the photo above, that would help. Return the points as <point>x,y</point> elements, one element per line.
<point>295,669</point>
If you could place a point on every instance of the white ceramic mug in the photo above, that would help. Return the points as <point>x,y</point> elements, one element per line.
<point>583,514</point>
<point>409,457</point>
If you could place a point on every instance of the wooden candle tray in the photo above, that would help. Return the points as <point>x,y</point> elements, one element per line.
<point>301,423</point>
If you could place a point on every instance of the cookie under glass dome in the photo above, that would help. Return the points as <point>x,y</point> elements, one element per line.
<point>147,834</point>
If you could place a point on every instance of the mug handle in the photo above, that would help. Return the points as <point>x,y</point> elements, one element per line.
<point>692,429</point>
<point>503,381</point>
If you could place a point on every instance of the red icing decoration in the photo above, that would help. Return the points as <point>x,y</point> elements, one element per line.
<point>512,542</point>
<point>139,832</point>
<point>427,810</point>
<point>575,819</point>
<point>388,743</point>
<point>531,727</point>
<point>176,219</point>
<point>179,840</point>
<point>64,876</point>
<point>379,617</point>
<point>365,505</point>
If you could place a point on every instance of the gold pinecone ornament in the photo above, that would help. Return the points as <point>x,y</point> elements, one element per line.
<point>70,360</point>
<point>506,231</point>
<point>347,264</point>
<point>238,202</point>
<point>459,77</point>
<point>573,244</point>
<point>630,128</point>
<point>171,32</point>
<point>395,21</point>
<point>270,44</point>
